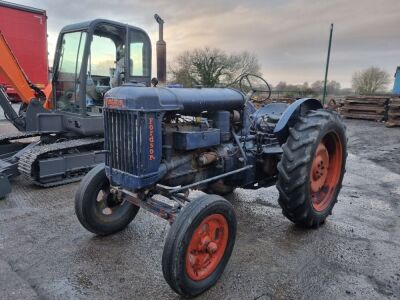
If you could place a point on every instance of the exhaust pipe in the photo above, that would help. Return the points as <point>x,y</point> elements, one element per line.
<point>161,52</point>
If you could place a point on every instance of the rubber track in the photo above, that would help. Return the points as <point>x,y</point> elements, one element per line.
<point>5,138</point>
<point>28,160</point>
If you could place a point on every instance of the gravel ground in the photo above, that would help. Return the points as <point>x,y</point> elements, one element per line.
<point>45,253</point>
<point>375,142</point>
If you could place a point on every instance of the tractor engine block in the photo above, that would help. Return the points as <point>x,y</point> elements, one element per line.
<point>175,137</point>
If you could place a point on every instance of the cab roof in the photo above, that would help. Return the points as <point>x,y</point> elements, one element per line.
<point>87,25</point>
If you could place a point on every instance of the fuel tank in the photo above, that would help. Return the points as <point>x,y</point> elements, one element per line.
<point>185,100</point>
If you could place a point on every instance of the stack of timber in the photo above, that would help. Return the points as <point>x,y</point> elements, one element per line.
<point>365,107</point>
<point>393,112</point>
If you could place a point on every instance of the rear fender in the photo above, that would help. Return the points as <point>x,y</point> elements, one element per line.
<point>291,115</point>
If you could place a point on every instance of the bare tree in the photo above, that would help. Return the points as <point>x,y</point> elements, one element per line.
<point>370,81</point>
<point>318,86</point>
<point>281,86</point>
<point>211,66</point>
<point>332,87</point>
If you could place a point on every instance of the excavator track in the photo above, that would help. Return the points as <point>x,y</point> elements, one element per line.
<point>6,138</point>
<point>29,161</point>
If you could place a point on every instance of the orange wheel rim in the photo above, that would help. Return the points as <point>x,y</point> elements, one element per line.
<point>326,169</point>
<point>207,247</point>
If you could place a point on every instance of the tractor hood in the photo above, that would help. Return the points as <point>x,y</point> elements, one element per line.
<point>185,100</point>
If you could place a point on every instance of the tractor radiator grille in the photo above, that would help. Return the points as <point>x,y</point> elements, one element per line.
<point>121,140</point>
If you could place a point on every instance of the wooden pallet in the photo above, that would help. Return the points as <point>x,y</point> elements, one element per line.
<point>392,123</point>
<point>393,112</point>
<point>362,116</point>
<point>366,101</point>
<point>365,107</point>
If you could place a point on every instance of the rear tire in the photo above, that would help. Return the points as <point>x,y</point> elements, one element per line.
<point>199,245</point>
<point>311,170</point>
<point>98,210</point>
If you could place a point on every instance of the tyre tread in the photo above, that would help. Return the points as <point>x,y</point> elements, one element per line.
<point>293,169</point>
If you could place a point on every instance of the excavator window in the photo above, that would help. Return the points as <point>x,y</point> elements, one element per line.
<point>137,59</point>
<point>139,54</point>
<point>102,56</point>
<point>69,67</point>
<point>101,69</point>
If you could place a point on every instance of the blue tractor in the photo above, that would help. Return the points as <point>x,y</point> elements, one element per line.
<point>166,141</point>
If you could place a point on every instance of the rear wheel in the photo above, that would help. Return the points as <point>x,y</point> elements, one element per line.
<point>199,245</point>
<point>312,167</point>
<point>97,209</point>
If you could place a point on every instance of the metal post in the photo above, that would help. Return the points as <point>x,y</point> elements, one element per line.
<point>327,65</point>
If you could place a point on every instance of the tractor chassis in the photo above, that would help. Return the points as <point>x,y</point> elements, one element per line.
<point>177,194</point>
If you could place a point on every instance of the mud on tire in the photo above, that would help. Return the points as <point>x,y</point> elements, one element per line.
<point>311,170</point>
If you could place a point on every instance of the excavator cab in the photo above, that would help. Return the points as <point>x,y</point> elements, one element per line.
<point>91,58</point>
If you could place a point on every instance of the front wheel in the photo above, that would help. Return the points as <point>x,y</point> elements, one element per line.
<point>97,209</point>
<point>312,167</point>
<point>199,245</point>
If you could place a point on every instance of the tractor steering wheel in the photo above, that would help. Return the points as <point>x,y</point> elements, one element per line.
<point>247,86</point>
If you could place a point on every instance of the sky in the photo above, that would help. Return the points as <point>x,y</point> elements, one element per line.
<point>290,38</point>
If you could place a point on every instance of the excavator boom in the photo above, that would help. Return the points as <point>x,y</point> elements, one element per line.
<point>11,69</point>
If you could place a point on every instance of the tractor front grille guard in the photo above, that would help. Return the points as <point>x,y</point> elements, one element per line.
<point>132,143</point>
<point>121,140</point>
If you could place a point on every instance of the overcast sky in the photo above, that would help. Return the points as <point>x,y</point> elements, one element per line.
<point>290,38</point>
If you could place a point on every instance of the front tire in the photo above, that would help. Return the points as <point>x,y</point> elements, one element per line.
<point>311,170</point>
<point>97,209</point>
<point>199,245</point>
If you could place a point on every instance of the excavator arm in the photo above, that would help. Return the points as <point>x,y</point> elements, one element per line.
<point>13,72</point>
<point>27,91</point>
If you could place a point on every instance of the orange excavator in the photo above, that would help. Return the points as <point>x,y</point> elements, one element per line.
<point>11,69</point>
<point>25,29</point>
<point>65,119</point>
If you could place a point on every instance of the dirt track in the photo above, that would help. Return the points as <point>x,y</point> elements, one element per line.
<point>45,253</point>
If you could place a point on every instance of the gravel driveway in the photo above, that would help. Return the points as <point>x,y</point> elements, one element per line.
<point>45,253</point>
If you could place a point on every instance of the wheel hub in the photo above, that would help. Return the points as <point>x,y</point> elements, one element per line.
<point>105,202</point>
<point>212,248</point>
<point>207,247</point>
<point>325,172</point>
<point>320,167</point>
